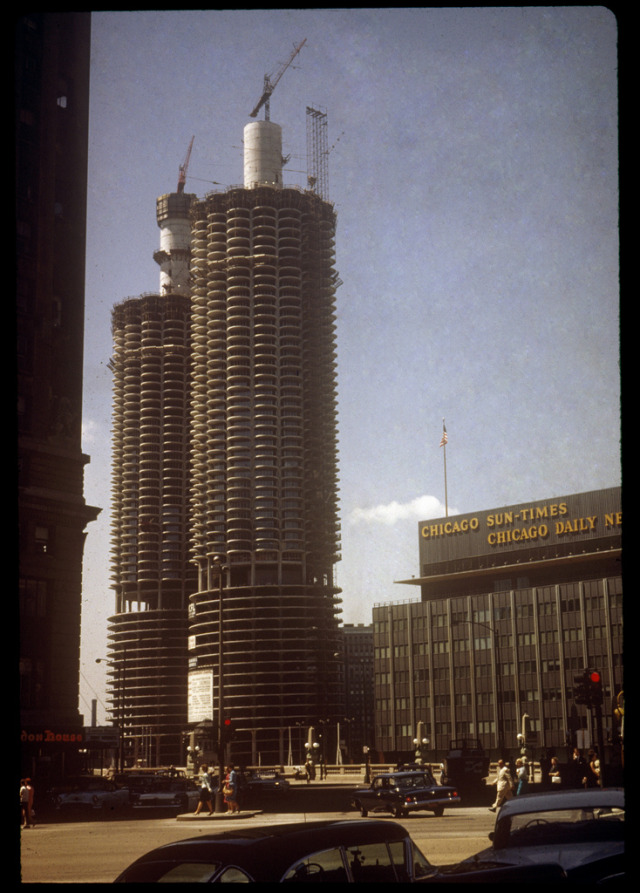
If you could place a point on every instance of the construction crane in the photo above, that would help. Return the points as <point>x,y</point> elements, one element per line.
<point>182,176</point>
<point>270,85</point>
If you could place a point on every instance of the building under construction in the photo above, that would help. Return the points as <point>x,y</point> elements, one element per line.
<point>263,621</point>
<point>151,573</point>
<point>225,506</point>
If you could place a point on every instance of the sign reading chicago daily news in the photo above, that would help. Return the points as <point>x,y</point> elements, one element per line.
<point>200,695</point>
<point>596,515</point>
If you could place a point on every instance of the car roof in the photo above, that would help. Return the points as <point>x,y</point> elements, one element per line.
<point>271,849</point>
<point>403,772</point>
<point>565,799</point>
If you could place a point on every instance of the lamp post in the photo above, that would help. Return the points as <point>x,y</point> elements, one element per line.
<point>219,798</point>
<point>499,694</point>
<point>420,745</point>
<point>120,711</point>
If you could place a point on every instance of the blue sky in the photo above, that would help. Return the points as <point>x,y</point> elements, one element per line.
<point>474,171</point>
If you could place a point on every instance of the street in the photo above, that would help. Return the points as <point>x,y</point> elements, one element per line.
<point>92,852</point>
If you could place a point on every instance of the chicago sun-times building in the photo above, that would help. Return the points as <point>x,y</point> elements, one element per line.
<point>514,603</point>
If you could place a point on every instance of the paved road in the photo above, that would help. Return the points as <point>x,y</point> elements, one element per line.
<point>96,851</point>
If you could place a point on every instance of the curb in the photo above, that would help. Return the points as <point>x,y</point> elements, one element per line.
<point>216,816</point>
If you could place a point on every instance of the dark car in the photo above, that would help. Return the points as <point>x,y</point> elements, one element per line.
<point>258,783</point>
<point>581,832</point>
<point>326,852</point>
<point>403,792</point>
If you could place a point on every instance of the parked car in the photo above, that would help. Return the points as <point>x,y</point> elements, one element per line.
<point>581,832</point>
<point>89,792</point>
<point>326,851</point>
<point>257,783</point>
<point>163,791</point>
<point>403,792</point>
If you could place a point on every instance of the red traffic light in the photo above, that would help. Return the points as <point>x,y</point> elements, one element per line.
<point>227,722</point>
<point>594,677</point>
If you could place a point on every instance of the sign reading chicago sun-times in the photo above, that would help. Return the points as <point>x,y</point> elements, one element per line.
<point>200,695</point>
<point>580,517</point>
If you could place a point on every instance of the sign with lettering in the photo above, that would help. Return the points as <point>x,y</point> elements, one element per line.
<point>200,695</point>
<point>583,516</point>
<point>102,736</point>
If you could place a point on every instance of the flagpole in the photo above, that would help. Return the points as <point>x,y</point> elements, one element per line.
<point>443,444</point>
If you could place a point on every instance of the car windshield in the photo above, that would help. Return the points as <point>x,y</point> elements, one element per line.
<point>414,781</point>
<point>561,826</point>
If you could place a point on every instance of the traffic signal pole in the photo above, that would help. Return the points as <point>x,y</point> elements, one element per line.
<point>588,691</point>
<point>597,718</point>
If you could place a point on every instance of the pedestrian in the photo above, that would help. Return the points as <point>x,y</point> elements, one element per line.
<point>26,803</point>
<point>230,790</point>
<point>593,775</point>
<point>504,790</point>
<point>579,769</point>
<point>523,778</point>
<point>554,772</point>
<point>206,790</point>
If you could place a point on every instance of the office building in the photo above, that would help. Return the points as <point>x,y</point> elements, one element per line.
<point>515,602</point>
<point>51,131</point>
<point>358,726</point>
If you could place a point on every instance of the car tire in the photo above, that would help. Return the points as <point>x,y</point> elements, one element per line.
<point>364,812</point>
<point>438,811</point>
<point>398,812</point>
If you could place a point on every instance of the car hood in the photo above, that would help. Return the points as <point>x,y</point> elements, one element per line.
<point>570,857</point>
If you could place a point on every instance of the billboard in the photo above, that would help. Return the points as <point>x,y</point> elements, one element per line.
<point>596,515</point>
<point>200,695</point>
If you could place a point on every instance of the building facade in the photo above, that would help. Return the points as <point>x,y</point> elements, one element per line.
<point>358,726</point>
<point>150,521</point>
<point>51,129</point>
<point>514,603</point>
<point>263,628</point>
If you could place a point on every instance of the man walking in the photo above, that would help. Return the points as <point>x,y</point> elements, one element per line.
<point>503,786</point>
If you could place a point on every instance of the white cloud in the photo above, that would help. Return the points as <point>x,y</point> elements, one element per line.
<point>420,509</point>
<point>89,431</point>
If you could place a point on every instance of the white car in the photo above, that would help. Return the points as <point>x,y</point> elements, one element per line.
<point>90,792</point>
<point>164,792</point>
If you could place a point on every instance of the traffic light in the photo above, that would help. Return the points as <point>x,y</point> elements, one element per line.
<point>588,689</point>
<point>581,689</point>
<point>595,688</point>
<point>226,730</point>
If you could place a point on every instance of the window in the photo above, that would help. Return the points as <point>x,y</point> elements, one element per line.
<point>372,862</point>
<point>41,539</point>
<point>324,866</point>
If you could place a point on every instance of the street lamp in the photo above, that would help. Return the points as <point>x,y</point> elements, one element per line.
<point>420,745</point>
<point>219,798</point>
<point>120,710</point>
<point>499,694</point>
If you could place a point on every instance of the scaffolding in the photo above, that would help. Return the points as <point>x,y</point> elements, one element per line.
<point>317,153</point>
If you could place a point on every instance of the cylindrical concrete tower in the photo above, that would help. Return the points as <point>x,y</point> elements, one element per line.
<point>262,155</point>
<point>151,572</point>
<point>174,254</point>
<point>264,450</point>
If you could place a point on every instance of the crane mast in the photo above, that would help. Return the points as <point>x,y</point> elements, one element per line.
<point>182,176</point>
<point>270,85</point>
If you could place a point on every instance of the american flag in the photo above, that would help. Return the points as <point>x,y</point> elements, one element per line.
<point>444,436</point>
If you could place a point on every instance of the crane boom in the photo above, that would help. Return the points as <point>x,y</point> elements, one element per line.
<point>270,84</point>
<point>182,176</point>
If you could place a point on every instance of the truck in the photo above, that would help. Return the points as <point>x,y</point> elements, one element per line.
<point>466,764</point>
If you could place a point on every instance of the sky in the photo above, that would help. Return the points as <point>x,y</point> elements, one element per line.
<point>473,166</point>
